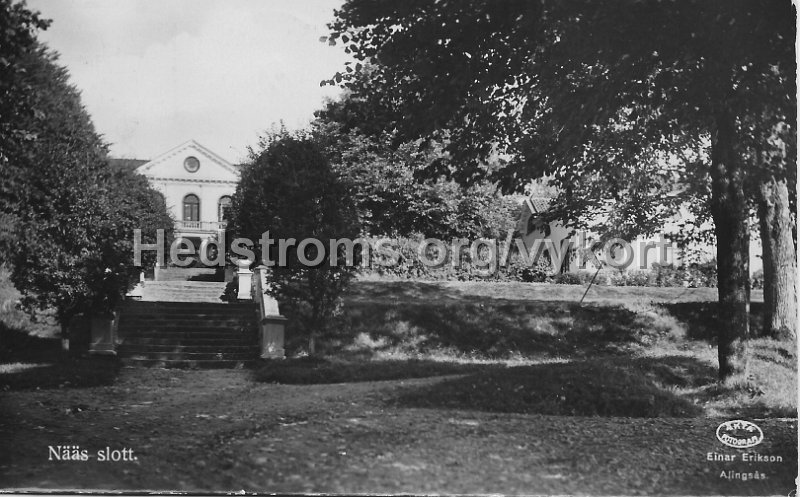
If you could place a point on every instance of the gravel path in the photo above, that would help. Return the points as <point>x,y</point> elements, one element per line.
<point>220,431</point>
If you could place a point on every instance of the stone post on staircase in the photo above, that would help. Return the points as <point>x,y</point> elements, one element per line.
<point>245,278</point>
<point>138,290</point>
<point>103,329</point>
<point>271,324</point>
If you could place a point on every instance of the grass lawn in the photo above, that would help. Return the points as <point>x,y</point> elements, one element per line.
<point>428,387</point>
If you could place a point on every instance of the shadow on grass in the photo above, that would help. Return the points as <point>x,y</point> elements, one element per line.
<point>312,371</point>
<point>498,331</point>
<point>620,387</point>
<point>65,372</point>
<point>18,345</point>
<point>702,322</point>
<point>30,362</point>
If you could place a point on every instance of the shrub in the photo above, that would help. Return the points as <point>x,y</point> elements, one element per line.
<point>290,191</point>
<point>568,279</point>
<point>695,275</point>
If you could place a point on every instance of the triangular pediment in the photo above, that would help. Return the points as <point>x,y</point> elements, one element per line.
<point>172,165</point>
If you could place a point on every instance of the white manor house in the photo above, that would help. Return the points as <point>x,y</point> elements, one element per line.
<point>197,186</point>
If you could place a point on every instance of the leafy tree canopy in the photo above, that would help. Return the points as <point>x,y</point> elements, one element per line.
<point>615,101</point>
<point>72,217</point>
<point>391,191</point>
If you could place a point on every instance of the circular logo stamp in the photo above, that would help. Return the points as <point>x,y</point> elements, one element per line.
<point>740,434</point>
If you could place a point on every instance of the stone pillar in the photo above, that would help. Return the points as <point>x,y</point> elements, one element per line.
<point>272,334</point>
<point>137,291</point>
<point>244,291</point>
<point>103,334</point>
<point>272,325</point>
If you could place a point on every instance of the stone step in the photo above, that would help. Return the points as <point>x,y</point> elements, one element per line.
<point>185,274</point>
<point>186,321</point>
<point>183,291</point>
<point>189,341</point>
<point>199,283</point>
<point>200,299</point>
<point>189,296</point>
<point>171,305</point>
<point>205,289</point>
<point>207,321</point>
<point>188,338</point>
<point>138,306</point>
<point>133,349</point>
<point>187,334</point>
<point>163,319</point>
<point>191,356</point>
<point>187,364</point>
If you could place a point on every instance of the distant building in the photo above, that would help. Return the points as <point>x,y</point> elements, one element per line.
<point>197,186</point>
<point>532,227</point>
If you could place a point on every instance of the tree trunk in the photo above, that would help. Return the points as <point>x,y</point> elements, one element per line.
<point>780,260</point>
<point>730,213</point>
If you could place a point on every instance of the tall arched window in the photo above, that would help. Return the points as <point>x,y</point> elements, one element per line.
<point>223,208</point>
<point>191,208</point>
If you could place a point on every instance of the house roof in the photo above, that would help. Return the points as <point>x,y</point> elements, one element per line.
<point>143,168</point>
<point>538,205</point>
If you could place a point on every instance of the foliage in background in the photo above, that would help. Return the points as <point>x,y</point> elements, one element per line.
<point>391,196</point>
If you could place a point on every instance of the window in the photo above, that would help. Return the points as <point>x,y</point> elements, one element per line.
<point>191,208</point>
<point>191,164</point>
<point>223,208</point>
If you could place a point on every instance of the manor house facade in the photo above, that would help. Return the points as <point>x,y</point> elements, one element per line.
<point>197,186</point>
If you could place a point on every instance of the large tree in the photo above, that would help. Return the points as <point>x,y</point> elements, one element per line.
<point>778,179</point>
<point>73,217</point>
<point>609,95</point>
<point>18,29</point>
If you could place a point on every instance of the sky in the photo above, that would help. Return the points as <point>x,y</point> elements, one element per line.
<point>156,73</point>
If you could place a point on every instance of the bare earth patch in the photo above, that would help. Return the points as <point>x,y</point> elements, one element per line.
<point>221,431</point>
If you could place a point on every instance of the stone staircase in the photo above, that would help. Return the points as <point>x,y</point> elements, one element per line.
<point>183,291</point>
<point>180,322</point>
<point>188,274</point>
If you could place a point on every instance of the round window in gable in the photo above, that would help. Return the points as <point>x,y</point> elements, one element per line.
<point>191,164</point>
